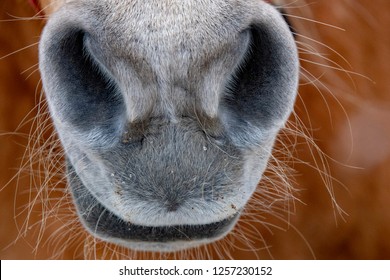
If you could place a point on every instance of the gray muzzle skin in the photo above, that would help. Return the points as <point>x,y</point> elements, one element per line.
<point>167,112</point>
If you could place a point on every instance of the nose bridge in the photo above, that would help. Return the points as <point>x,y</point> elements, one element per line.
<point>165,59</point>
<point>176,80</point>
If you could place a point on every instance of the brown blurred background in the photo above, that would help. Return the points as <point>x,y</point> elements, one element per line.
<point>344,103</point>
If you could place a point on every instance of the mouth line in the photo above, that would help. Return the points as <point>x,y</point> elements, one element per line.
<point>101,222</point>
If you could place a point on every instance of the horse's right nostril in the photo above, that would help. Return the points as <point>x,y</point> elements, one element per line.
<point>80,92</point>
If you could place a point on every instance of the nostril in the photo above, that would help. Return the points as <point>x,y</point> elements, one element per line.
<point>263,89</point>
<point>79,91</point>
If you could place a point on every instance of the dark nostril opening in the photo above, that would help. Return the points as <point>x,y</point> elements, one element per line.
<point>81,92</point>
